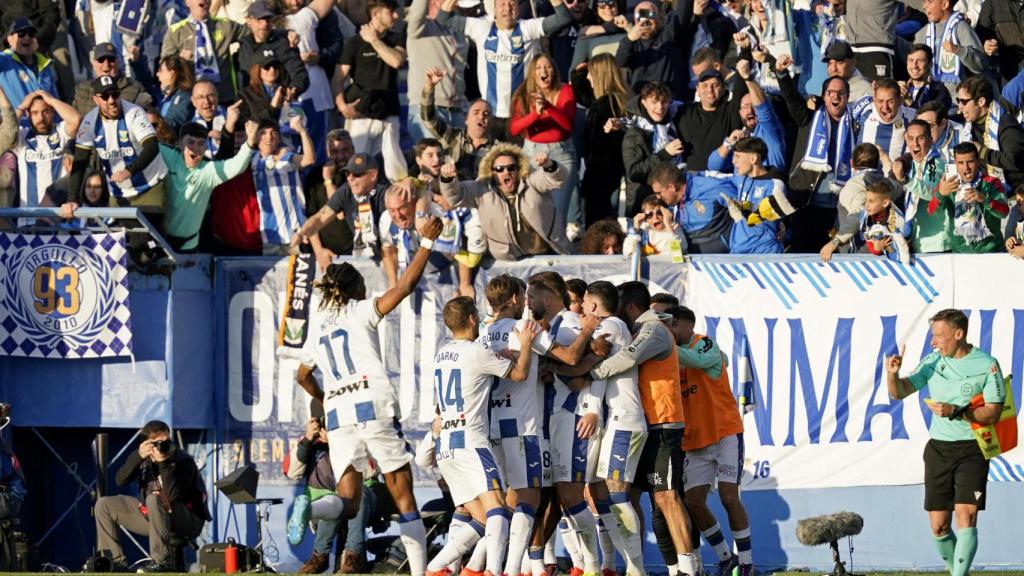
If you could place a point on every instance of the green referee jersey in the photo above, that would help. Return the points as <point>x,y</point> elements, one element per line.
<point>956,381</point>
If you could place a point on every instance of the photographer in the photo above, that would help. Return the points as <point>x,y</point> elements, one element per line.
<point>173,500</point>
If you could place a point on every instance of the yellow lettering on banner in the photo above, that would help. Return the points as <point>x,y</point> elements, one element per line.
<point>277,450</point>
<point>259,450</point>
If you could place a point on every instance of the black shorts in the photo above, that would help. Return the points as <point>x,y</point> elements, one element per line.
<point>661,463</point>
<point>954,473</point>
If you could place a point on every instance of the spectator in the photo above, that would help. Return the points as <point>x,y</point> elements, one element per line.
<point>867,169</point>
<point>653,47</point>
<point>205,41</point>
<point>922,87</point>
<point>1014,233</point>
<point>129,154</point>
<point>919,172</point>
<point>839,58</point>
<point>516,210</point>
<point>832,23</point>
<point>104,63</point>
<point>310,461</point>
<point>320,185</point>
<point>756,190</point>
<point>957,52</point>
<point>883,230</point>
<point>192,178</point>
<point>707,59</point>
<point>265,96</point>
<point>1000,27</point>
<point>40,147</point>
<point>946,133</point>
<point>603,237</point>
<point>696,204</point>
<point>768,32</point>
<point>871,32</point>
<point>821,158</point>
<point>543,112</point>
<point>465,146</point>
<point>359,202</point>
<point>503,44</point>
<point>279,188</point>
<point>173,500</point>
<point>600,87</point>
<point>370,102</point>
<point>708,27</point>
<point>264,41</point>
<point>702,128</point>
<point>979,204</point>
<point>430,46</point>
<point>882,120</point>
<point>45,17</point>
<point>23,69</point>
<point>317,103</point>
<point>601,36</point>
<point>758,119</point>
<point>208,114</point>
<point>994,128</point>
<point>654,231</point>
<point>176,80</point>
<point>652,138</point>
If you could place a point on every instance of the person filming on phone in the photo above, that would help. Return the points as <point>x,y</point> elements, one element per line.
<point>653,47</point>
<point>172,500</point>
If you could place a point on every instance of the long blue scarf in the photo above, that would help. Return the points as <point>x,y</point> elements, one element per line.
<point>816,155</point>
<point>945,66</point>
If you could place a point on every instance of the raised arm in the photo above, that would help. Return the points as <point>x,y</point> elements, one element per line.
<point>899,388</point>
<point>66,111</point>
<point>455,23</point>
<point>555,22</point>
<point>393,56</point>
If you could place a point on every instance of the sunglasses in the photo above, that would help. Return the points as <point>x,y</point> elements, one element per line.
<point>106,60</point>
<point>272,66</point>
<point>504,168</point>
<point>26,34</point>
<point>963,101</point>
<point>604,4</point>
<point>112,95</point>
<point>652,213</point>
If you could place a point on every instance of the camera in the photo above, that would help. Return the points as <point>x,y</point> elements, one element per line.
<point>164,446</point>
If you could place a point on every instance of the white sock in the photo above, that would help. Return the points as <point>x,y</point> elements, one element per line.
<point>496,535</point>
<point>688,564</point>
<point>459,521</point>
<point>672,569</point>
<point>536,561</point>
<point>414,538</point>
<point>743,550</point>
<point>549,550</point>
<point>582,521</point>
<point>479,557</point>
<point>524,561</point>
<point>604,540</point>
<point>715,537</point>
<point>623,526</point>
<point>571,542</point>
<point>457,546</point>
<point>519,532</point>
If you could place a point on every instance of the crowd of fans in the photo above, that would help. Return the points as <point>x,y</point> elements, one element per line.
<point>531,127</point>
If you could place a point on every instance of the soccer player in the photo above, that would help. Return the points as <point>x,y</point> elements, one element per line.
<point>713,441</point>
<point>624,435</point>
<point>360,404</point>
<point>464,371</point>
<point>966,386</point>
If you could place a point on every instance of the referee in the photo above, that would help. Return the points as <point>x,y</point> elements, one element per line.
<point>955,472</point>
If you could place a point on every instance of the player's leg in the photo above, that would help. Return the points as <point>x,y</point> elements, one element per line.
<point>544,526</point>
<point>701,468</point>
<point>575,461</point>
<point>621,452</point>
<point>393,455</point>
<point>668,500</point>
<point>521,467</point>
<point>466,479</point>
<point>578,515</point>
<point>497,518</point>
<point>460,520</point>
<point>596,504</point>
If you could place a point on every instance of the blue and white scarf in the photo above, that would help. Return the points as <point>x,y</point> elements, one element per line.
<point>816,155</point>
<point>663,133</point>
<point>953,134</point>
<point>991,136</point>
<point>205,56</point>
<point>945,66</point>
<point>929,171</point>
<point>969,217</point>
<point>832,28</point>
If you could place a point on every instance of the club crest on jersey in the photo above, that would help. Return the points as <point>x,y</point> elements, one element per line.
<point>122,135</point>
<point>23,76</point>
<point>57,293</point>
<point>517,42</point>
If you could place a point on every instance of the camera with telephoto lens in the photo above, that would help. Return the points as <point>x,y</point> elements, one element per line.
<point>164,446</point>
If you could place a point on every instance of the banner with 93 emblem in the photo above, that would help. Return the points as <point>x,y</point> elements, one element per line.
<point>64,296</point>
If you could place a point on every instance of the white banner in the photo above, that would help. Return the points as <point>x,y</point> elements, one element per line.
<point>64,296</point>
<point>812,336</point>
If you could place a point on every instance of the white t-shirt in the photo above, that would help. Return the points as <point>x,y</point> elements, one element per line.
<point>345,346</point>
<point>304,24</point>
<point>117,143</point>
<point>502,56</point>
<point>515,401</point>
<point>463,373</point>
<point>620,392</point>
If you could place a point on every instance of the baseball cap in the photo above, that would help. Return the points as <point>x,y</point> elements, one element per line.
<point>360,164</point>
<point>837,50</point>
<point>709,74</point>
<point>261,9</point>
<point>104,84</point>
<point>104,50</point>
<point>21,25</point>
<point>266,56</point>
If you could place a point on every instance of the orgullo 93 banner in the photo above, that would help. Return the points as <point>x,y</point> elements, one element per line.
<point>64,296</point>
<point>810,339</point>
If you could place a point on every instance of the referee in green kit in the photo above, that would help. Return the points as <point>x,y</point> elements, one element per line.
<point>955,472</point>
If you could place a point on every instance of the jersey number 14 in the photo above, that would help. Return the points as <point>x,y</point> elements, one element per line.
<point>449,396</point>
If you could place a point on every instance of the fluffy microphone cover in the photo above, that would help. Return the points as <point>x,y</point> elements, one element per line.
<point>824,529</point>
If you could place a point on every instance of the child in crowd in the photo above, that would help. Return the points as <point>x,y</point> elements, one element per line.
<point>654,230</point>
<point>883,229</point>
